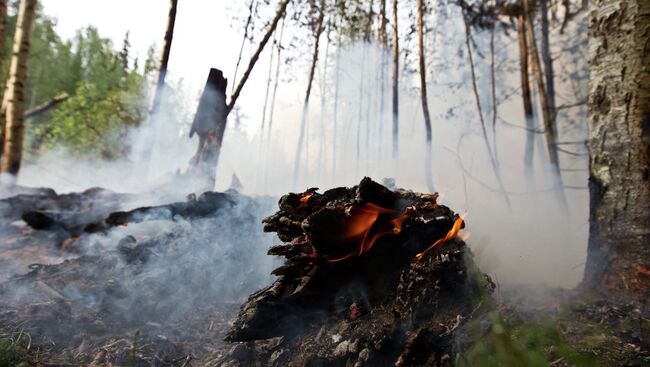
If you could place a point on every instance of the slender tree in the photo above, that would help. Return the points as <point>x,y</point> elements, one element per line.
<point>3,38</point>
<point>526,96</point>
<point>491,158</point>
<point>425,102</point>
<point>382,39</point>
<point>282,7</point>
<point>14,97</point>
<point>547,59</point>
<point>249,20</point>
<point>305,107</point>
<point>395,113</point>
<point>159,87</point>
<point>549,129</point>
<point>337,75</point>
<point>164,59</point>
<point>618,257</point>
<point>276,82</point>
<point>493,82</point>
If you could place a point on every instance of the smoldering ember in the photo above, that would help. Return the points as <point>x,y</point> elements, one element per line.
<point>355,183</point>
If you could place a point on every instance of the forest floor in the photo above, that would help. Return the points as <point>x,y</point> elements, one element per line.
<point>44,323</point>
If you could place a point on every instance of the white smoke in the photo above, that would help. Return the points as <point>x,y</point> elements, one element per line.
<point>532,242</point>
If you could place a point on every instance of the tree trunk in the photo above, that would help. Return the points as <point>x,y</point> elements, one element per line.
<point>477,97</point>
<point>164,59</point>
<point>425,102</point>
<point>335,113</point>
<point>382,78</point>
<point>395,113</point>
<point>618,259</point>
<point>368,31</point>
<point>549,130</point>
<point>493,83</point>
<point>526,98</point>
<point>14,97</point>
<point>547,59</point>
<point>305,107</point>
<point>3,38</point>
<point>210,122</point>
<point>269,130</point>
<point>382,23</point>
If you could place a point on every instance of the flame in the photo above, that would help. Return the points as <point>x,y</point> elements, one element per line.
<point>306,197</point>
<point>361,222</point>
<point>450,235</point>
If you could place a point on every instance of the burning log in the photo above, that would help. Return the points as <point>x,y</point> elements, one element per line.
<point>371,277</point>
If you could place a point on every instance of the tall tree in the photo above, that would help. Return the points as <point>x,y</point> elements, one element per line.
<point>477,97</point>
<point>164,58</point>
<point>425,102</point>
<point>395,113</point>
<point>526,96</point>
<point>618,259</point>
<point>547,59</point>
<point>549,129</point>
<point>13,104</point>
<point>310,79</point>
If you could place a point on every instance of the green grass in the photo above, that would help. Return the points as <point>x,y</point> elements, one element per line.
<point>12,354</point>
<point>517,343</point>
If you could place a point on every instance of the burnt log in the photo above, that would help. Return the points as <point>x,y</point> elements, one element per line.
<point>209,125</point>
<point>359,286</point>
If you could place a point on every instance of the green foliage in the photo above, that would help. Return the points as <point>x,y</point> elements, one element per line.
<point>517,343</point>
<point>107,91</point>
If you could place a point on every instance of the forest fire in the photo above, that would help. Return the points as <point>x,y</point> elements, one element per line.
<point>458,223</point>
<point>364,228</point>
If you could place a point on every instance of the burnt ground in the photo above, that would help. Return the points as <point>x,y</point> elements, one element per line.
<point>152,286</point>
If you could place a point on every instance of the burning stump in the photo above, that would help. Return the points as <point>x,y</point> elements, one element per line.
<point>372,277</point>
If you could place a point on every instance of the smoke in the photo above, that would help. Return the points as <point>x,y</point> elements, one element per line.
<point>531,242</point>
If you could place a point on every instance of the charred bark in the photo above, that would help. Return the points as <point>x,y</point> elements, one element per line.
<point>209,124</point>
<point>343,300</point>
<point>619,135</point>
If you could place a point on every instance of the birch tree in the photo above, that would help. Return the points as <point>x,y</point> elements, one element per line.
<point>618,258</point>
<point>13,104</point>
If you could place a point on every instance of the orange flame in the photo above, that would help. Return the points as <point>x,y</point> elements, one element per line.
<point>360,224</point>
<point>306,197</point>
<point>450,235</point>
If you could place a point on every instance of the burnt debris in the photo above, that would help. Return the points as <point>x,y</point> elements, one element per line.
<point>358,287</point>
